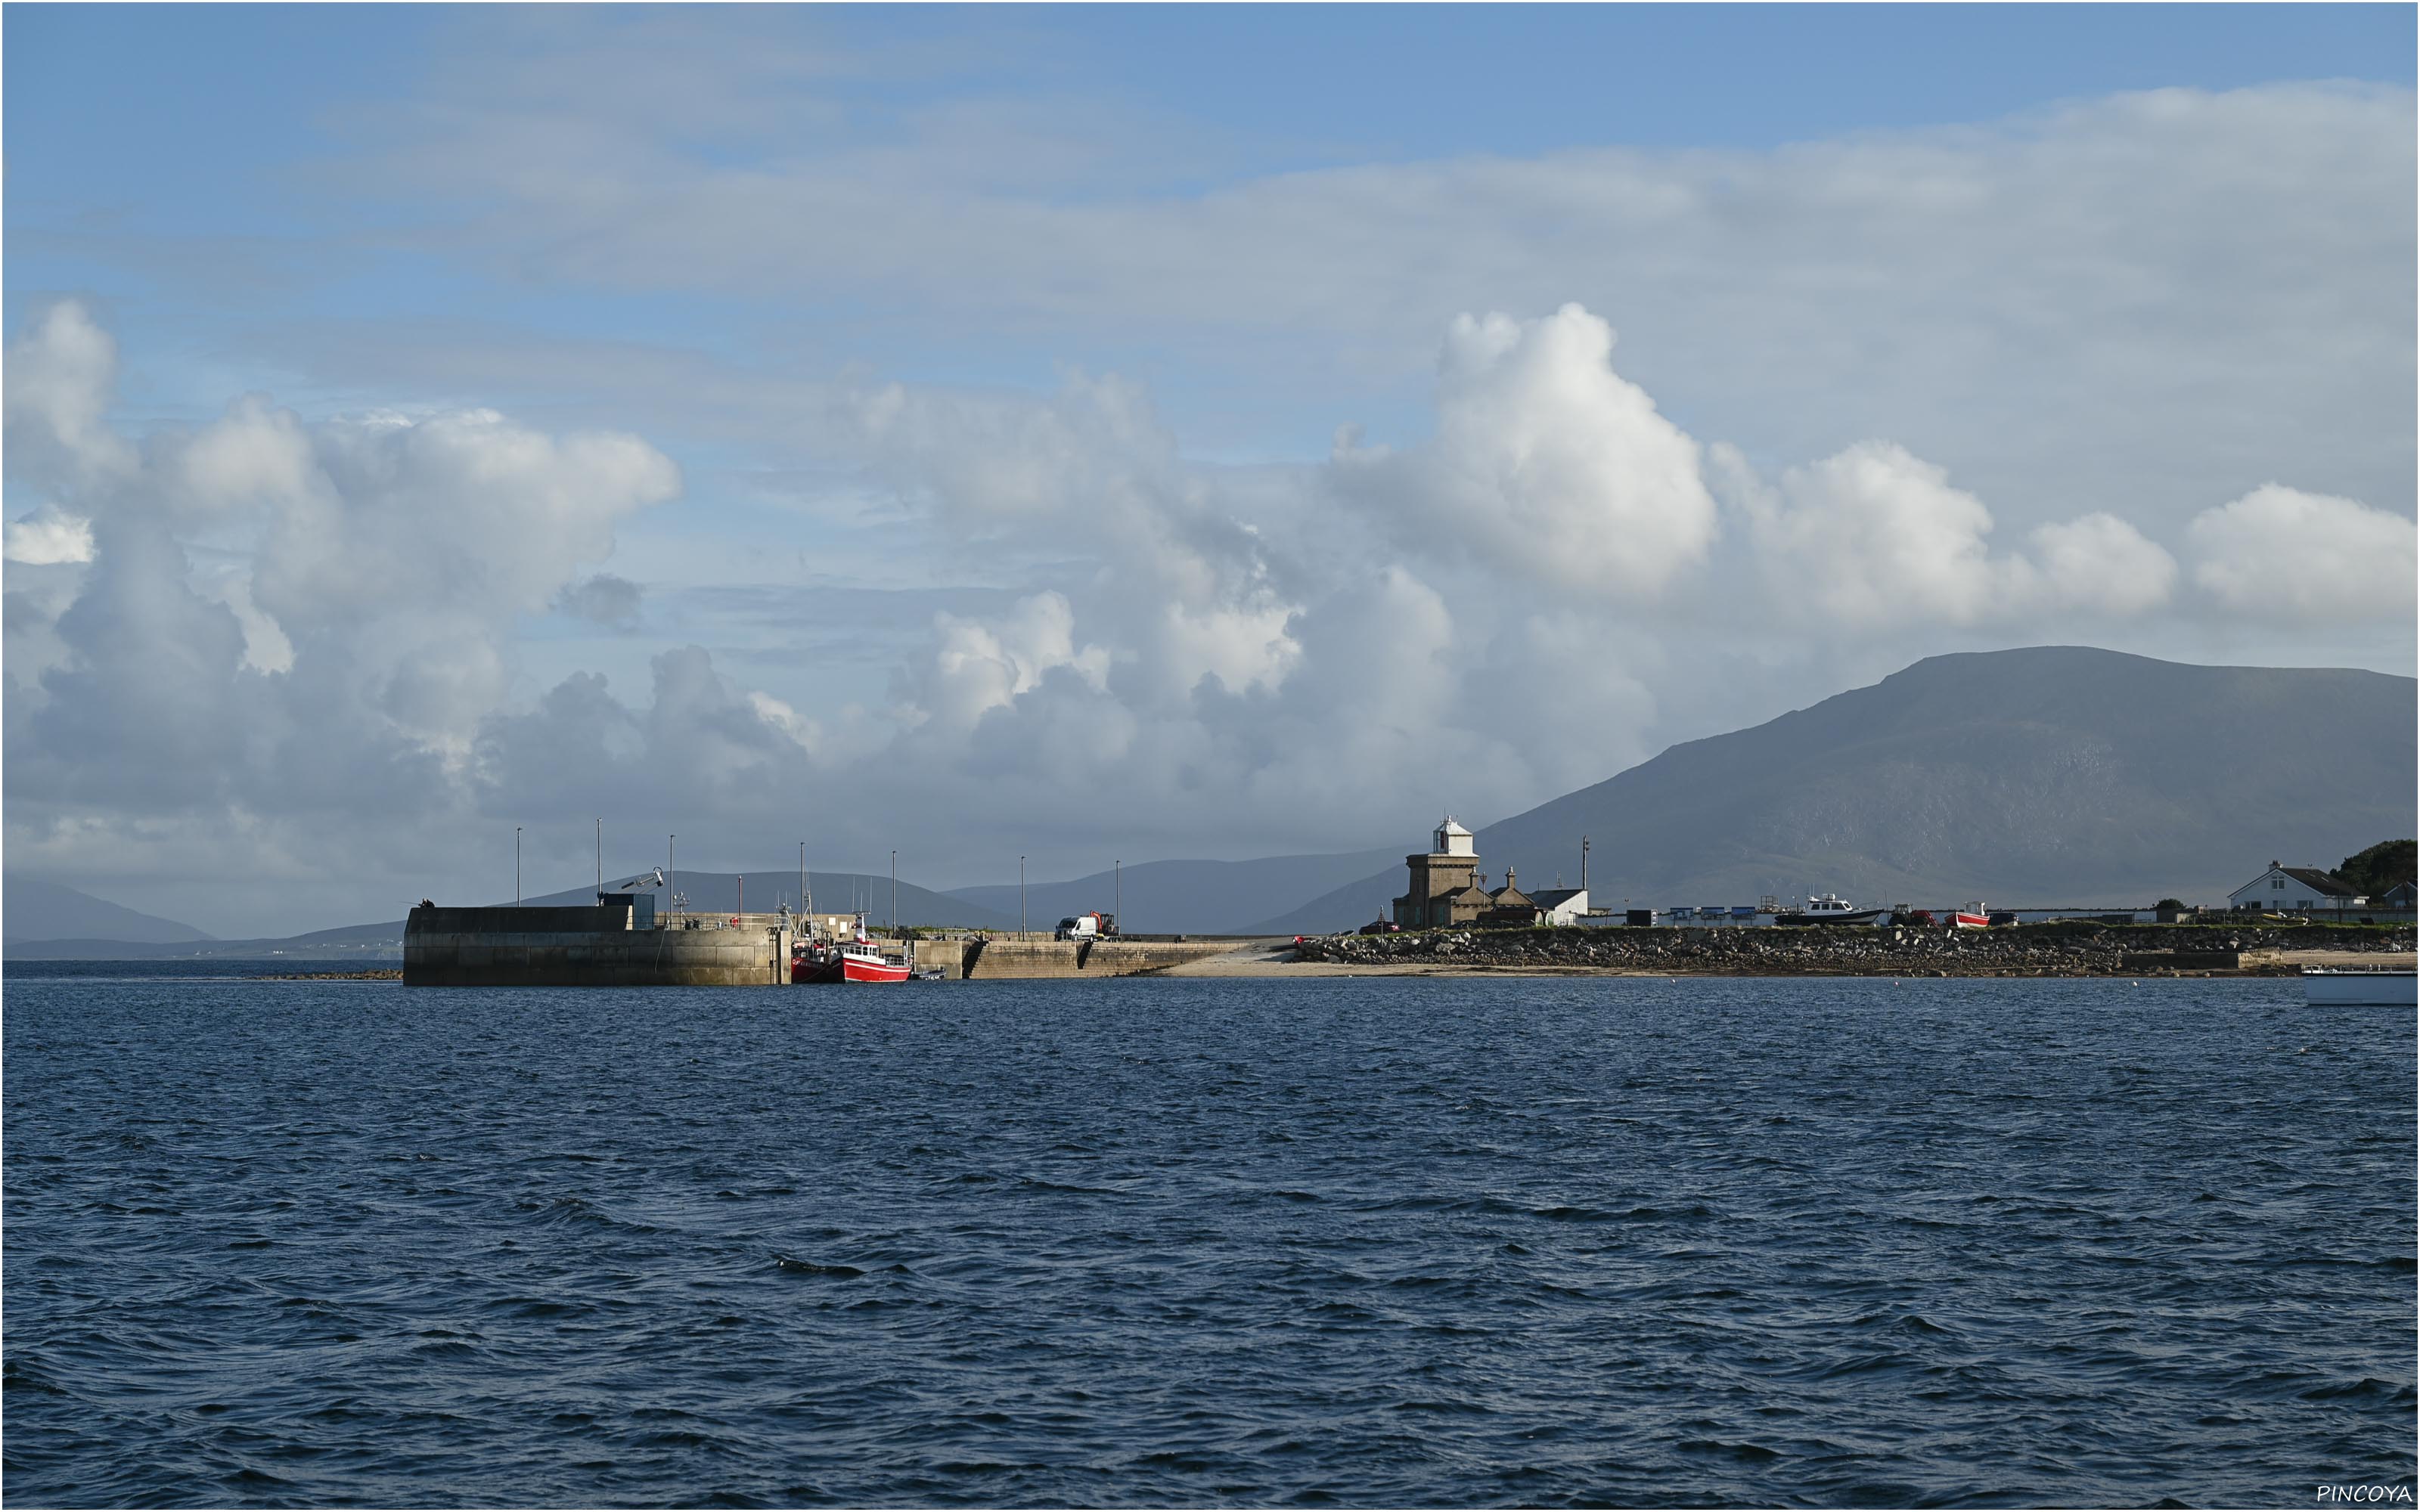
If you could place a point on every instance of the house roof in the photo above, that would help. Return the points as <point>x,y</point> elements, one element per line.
<point>2318,881</point>
<point>2321,882</point>
<point>1555,897</point>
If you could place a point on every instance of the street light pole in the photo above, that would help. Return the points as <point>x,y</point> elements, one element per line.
<point>1120,895</point>
<point>1020,895</point>
<point>894,892</point>
<point>517,866</point>
<point>672,873</point>
<point>600,857</point>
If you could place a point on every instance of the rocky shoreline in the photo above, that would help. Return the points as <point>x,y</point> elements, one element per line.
<point>2074,948</point>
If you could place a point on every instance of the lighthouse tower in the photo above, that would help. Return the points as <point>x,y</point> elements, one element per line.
<point>1443,888</point>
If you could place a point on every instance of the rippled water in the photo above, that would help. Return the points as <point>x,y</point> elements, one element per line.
<point>1368,1241</point>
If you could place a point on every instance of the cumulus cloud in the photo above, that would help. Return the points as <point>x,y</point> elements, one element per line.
<point>288,621</point>
<point>2305,557</point>
<point>1874,536</point>
<point>2101,564</point>
<point>296,635</point>
<point>1544,458</point>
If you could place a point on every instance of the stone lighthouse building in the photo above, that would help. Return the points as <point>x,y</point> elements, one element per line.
<point>1444,889</point>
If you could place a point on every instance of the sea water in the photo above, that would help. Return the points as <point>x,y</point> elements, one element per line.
<point>1373,1240</point>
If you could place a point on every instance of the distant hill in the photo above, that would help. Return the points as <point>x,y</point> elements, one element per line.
<point>1183,897</point>
<point>2055,776</point>
<point>31,909</point>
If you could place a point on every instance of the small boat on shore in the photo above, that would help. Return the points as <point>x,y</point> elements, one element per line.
<point>1830,909</point>
<point>2363,986</point>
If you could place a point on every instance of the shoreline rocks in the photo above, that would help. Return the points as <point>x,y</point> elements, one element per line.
<point>2063,949</point>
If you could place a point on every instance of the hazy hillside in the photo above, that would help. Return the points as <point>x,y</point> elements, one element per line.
<point>36,910</point>
<point>1185,897</point>
<point>2051,775</point>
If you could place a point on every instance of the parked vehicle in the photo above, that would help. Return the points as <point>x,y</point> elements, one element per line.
<point>1922,919</point>
<point>1093,926</point>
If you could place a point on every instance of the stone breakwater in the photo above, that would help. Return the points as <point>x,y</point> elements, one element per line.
<point>2061,950</point>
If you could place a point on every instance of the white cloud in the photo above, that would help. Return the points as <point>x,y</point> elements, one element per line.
<point>58,380</point>
<point>2101,564</point>
<point>1875,537</point>
<point>1545,459</point>
<point>978,667</point>
<point>276,617</point>
<point>49,537</point>
<point>2303,557</point>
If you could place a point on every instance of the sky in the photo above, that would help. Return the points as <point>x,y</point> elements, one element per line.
<point>1123,433</point>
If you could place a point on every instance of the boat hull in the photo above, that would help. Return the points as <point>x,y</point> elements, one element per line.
<point>2368,989</point>
<point>858,968</point>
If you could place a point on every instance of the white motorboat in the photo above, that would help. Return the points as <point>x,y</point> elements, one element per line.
<point>1831,909</point>
<point>2366,986</point>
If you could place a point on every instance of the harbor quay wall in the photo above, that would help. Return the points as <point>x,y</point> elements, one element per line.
<point>582,946</point>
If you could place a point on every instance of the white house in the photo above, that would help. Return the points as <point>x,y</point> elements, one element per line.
<point>2289,888</point>
<point>1561,905</point>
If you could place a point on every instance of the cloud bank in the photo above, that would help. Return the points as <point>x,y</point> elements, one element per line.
<point>282,641</point>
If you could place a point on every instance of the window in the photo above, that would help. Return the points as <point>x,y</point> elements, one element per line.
<point>2277,884</point>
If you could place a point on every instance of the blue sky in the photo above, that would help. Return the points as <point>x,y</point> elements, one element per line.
<point>1012,405</point>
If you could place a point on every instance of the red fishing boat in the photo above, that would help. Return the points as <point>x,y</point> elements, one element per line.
<point>857,960</point>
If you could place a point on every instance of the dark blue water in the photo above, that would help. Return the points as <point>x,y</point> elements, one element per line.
<point>1378,1242</point>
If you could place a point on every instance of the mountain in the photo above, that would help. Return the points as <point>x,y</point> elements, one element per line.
<point>36,910</point>
<point>1181,897</point>
<point>2057,776</point>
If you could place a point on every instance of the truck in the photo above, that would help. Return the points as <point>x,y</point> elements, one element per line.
<point>1094,926</point>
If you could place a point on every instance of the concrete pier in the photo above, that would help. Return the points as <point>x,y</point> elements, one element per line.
<point>597,947</point>
<point>1001,960</point>
<point>587,946</point>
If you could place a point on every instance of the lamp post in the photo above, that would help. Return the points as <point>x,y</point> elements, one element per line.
<point>672,873</point>
<point>1020,895</point>
<point>600,857</point>
<point>1119,895</point>
<point>894,892</point>
<point>517,866</point>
